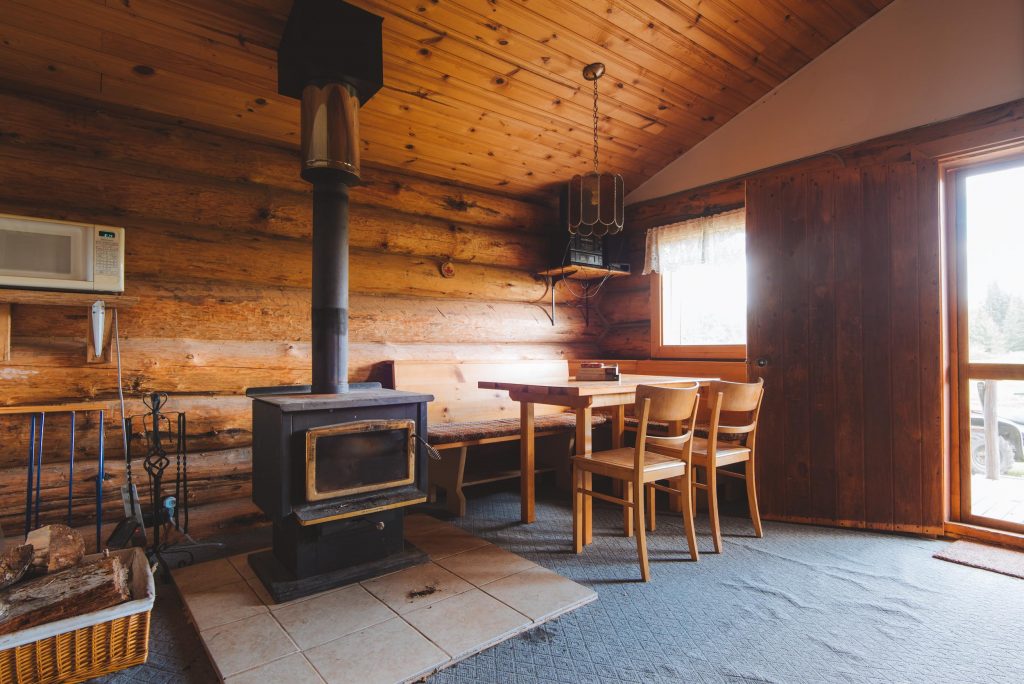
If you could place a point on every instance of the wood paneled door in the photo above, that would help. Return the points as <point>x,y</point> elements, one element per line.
<point>844,326</point>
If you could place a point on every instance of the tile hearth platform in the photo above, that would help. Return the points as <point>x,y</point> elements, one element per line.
<point>395,628</point>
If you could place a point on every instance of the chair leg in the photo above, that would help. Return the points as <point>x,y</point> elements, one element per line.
<point>638,525</point>
<point>627,515</point>
<point>716,530</point>
<point>651,514</point>
<point>685,486</point>
<point>693,492</point>
<point>577,510</point>
<point>755,512</point>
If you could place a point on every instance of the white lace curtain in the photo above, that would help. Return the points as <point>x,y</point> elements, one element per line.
<point>706,240</point>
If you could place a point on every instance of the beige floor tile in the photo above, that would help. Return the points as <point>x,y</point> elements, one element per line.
<point>264,596</point>
<point>419,522</point>
<point>246,644</point>
<point>444,540</point>
<point>223,604</point>
<point>205,575</point>
<point>485,564</point>
<point>416,587</point>
<point>383,654</point>
<point>467,623</point>
<point>241,564</point>
<point>293,669</point>
<point>331,615</point>
<point>539,593</point>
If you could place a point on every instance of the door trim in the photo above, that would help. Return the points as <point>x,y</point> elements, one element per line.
<point>953,173</point>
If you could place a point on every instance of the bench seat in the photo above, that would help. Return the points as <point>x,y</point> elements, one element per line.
<point>653,426</point>
<point>482,431</point>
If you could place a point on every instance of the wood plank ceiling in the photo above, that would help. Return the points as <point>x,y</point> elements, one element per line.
<point>482,92</point>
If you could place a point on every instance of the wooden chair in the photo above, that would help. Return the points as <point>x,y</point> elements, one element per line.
<point>733,410</point>
<point>642,464</point>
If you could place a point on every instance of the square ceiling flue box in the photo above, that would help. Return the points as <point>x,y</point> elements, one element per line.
<point>329,41</point>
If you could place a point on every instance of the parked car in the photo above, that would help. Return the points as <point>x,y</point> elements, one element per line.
<point>1011,443</point>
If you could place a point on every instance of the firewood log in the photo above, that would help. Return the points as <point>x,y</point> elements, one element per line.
<point>56,547</point>
<point>13,564</point>
<point>76,591</point>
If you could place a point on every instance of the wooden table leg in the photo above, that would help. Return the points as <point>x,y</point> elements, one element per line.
<point>618,426</point>
<point>584,446</point>
<point>618,430</point>
<point>526,463</point>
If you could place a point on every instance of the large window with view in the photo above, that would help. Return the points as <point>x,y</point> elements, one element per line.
<point>699,287</point>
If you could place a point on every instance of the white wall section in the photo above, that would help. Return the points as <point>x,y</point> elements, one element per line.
<point>914,63</point>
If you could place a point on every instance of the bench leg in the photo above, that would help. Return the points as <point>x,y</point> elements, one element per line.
<point>448,474</point>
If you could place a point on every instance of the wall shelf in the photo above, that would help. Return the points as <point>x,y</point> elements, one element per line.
<point>50,298</point>
<point>581,273</point>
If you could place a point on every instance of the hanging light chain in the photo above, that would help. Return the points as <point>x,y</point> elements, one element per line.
<point>595,127</point>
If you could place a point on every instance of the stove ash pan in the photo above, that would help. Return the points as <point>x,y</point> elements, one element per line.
<point>321,458</point>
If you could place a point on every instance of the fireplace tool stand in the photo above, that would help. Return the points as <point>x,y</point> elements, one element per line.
<point>158,428</point>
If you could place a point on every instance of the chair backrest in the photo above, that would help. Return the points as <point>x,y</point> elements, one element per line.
<point>734,408</point>
<point>677,404</point>
<point>669,403</point>
<point>457,398</point>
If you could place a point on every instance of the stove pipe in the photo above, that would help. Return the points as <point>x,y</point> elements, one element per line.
<point>331,58</point>
<point>330,161</point>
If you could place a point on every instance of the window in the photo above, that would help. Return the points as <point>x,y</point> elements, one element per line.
<point>699,288</point>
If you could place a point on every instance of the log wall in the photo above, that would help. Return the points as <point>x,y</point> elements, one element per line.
<point>218,233</point>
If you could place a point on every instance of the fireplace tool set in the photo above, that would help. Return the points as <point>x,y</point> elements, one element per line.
<point>164,437</point>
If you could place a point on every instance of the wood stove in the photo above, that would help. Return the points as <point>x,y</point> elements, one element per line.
<point>334,464</point>
<point>334,473</point>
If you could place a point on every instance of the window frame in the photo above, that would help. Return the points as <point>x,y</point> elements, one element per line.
<point>683,352</point>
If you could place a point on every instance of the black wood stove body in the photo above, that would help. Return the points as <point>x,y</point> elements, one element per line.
<point>334,465</point>
<point>334,473</point>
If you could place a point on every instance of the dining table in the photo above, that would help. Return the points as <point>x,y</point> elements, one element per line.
<point>582,396</point>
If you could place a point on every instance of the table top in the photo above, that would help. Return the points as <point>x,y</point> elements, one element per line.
<point>587,388</point>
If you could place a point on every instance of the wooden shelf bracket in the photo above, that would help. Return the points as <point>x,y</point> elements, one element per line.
<point>84,299</point>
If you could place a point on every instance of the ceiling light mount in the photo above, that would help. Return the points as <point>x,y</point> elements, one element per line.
<point>594,71</point>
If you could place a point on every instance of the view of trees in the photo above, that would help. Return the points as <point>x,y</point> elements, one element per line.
<point>997,325</point>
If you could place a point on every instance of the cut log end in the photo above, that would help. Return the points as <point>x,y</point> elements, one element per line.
<point>56,547</point>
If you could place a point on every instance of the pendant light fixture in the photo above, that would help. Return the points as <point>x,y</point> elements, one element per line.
<point>595,198</point>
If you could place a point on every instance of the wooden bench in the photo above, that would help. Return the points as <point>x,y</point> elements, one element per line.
<point>462,415</point>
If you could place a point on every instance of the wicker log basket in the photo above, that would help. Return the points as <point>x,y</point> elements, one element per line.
<point>86,646</point>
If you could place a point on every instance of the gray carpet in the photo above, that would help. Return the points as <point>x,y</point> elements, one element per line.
<point>803,604</point>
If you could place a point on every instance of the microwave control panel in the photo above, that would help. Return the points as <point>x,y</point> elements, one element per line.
<point>108,259</point>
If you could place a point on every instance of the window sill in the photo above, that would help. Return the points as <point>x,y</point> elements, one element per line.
<point>717,352</point>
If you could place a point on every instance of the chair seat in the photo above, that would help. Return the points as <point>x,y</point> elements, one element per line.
<point>450,433</point>
<point>619,462</point>
<point>724,453</point>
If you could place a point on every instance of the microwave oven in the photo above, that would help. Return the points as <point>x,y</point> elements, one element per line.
<point>60,255</point>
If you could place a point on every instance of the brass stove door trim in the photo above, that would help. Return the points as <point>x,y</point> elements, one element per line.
<point>359,426</point>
